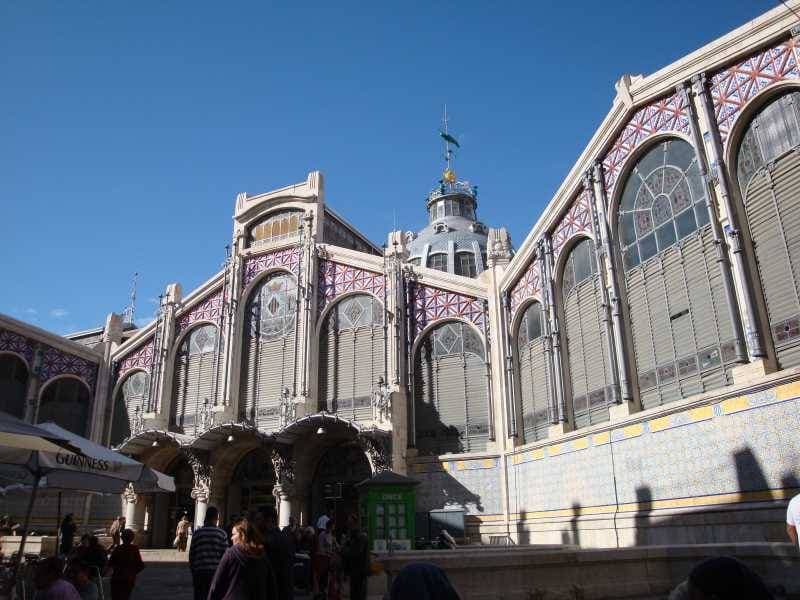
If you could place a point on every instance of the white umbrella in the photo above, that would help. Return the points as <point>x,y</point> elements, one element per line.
<point>16,433</point>
<point>94,468</point>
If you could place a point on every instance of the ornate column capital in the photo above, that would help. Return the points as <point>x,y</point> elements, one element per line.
<point>129,494</point>
<point>283,464</point>
<point>376,451</point>
<point>202,471</point>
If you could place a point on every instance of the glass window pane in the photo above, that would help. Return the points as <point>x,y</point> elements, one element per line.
<point>685,224</point>
<point>647,247</point>
<point>626,231</point>
<point>680,154</point>
<point>701,210</point>
<point>666,235</point>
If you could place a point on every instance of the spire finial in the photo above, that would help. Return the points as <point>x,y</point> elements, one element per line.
<point>129,313</point>
<point>449,175</point>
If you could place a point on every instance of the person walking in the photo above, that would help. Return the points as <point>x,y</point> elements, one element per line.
<point>209,544</point>
<point>125,563</point>
<point>355,559</point>
<point>244,573</point>
<point>114,531</point>
<point>182,533</point>
<point>279,552</point>
<point>68,529</point>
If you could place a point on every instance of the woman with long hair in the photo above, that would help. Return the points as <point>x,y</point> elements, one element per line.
<point>244,573</point>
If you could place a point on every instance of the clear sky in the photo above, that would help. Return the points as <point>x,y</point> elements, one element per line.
<point>127,128</point>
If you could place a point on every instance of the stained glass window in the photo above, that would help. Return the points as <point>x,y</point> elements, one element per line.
<point>773,132</point>
<point>276,226</point>
<point>274,307</point>
<point>456,338</point>
<point>136,388</point>
<point>580,265</point>
<point>202,340</point>
<point>356,311</point>
<point>663,202</point>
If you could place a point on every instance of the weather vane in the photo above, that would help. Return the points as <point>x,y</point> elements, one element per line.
<point>449,175</point>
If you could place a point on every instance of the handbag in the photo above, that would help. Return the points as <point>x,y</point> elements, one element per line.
<point>175,541</point>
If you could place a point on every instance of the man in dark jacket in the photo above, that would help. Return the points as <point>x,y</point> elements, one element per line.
<point>355,558</point>
<point>279,552</point>
<point>209,543</point>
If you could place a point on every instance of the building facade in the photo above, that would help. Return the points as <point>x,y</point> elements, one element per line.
<point>630,375</point>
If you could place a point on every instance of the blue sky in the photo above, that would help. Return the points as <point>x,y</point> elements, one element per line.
<point>127,129</point>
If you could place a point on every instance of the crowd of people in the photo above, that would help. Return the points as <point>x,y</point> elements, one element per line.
<point>77,572</point>
<point>257,560</point>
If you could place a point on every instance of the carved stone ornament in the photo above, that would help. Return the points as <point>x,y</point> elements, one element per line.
<point>203,473</point>
<point>129,495</point>
<point>137,422</point>
<point>288,409</point>
<point>206,417</point>
<point>382,402</point>
<point>376,451</point>
<point>283,465</point>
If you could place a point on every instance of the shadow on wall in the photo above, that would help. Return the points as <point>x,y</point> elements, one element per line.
<point>763,524</point>
<point>432,435</point>
<point>573,535</point>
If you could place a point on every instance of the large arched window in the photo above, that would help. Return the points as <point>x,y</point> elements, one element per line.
<point>13,385</point>
<point>534,377</point>
<point>66,402</point>
<point>438,261</point>
<point>276,226</point>
<point>132,400</point>
<point>193,377</point>
<point>465,264</point>
<point>451,399</point>
<point>682,335</point>
<point>352,356</point>
<point>768,171</point>
<point>590,377</point>
<point>268,356</point>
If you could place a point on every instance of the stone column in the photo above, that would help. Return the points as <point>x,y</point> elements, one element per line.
<point>548,293</point>
<point>283,492</point>
<point>719,174</point>
<point>32,393</point>
<point>129,499</point>
<point>201,490</point>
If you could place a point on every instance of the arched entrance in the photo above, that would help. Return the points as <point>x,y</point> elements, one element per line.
<point>339,469</point>
<point>251,484</point>
<point>181,502</point>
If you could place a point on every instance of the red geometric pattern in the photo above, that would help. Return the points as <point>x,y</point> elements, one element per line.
<point>733,87</point>
<point>433,304</point>
<point>56,362</point>
<point>208,309</point>
<point>667,114</point>
<point>14,342</point>
<point>335,279</point>
<point>141,358</point>
<point>253,265</point>
<point>578,220</point>
<point>528,286</point>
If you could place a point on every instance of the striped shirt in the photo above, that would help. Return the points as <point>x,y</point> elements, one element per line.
<point>208,545</point>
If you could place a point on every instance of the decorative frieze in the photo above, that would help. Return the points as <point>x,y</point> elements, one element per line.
<point>732,88</point>
<point>664,115</point>
<point>208,309</point>
<point>528,286</point>
<point>577,221</point>
<point>19,344</point>
<point>335,279</point>
<point>141,358</point>
<point>253,265</point>
<point>432,304</point>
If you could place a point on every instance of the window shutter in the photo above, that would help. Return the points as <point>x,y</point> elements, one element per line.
<point>425,410</point>
<point>450,400</point>
<point>773,214</point>
<point>477,403</point>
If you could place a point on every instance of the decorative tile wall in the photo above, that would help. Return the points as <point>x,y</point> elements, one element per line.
<point>528,286</point>
<point>335,279</point>
<point>742,444</point>
<point>664,115</point>
<point>432,304</point>
<point>472,485</point>
<point>140,358</point>
<point>577,221</point>
<point>207,309</point>
<point>253,265</point>
<point>55,362</point>
<point>732,88</point>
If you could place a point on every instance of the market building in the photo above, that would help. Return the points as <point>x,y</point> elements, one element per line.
<point>629,375</point>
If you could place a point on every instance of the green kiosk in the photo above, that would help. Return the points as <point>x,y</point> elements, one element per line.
<point>388,504</point>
